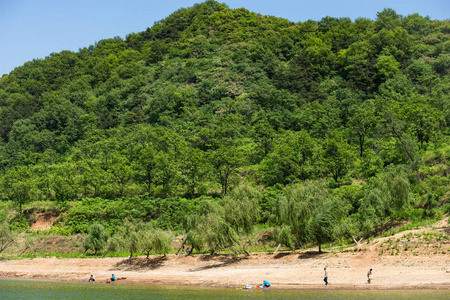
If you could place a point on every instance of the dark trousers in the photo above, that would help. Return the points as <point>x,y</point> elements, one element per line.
<point>326,280</point>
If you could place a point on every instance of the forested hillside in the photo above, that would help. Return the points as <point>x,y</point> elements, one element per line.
<point>217,120</point>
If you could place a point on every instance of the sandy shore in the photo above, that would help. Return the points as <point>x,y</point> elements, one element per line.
<point>283,270</point>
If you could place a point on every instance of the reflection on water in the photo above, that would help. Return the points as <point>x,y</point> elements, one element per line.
<point>22,289</point>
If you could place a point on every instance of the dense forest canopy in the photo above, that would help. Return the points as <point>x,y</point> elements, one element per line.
<point>322,122</point>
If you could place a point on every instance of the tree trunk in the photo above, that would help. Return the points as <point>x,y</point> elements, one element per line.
<point>182,245</point>
<point>26,248</point>
<point>356,242</point>
<point>149,182</point>
<point>320,247</point>
<point>105,253</point>
<point>276,250</point>
<point>394,132</point>
<point>361,146</point>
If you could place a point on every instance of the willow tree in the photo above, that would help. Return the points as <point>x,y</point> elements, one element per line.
<point>386,196</point>
<point>310,213</point>
<point>129,236</point>
<point>6,236</point>
<point>207,227</point>
<point>241,208</point>
<point>155,240</point>
<point>297,205</point>
<point>282,235</point>
<point>96,239</point>
<point>324,224</point>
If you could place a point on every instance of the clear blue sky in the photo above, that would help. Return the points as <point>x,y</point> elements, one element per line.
<point>35,28</point>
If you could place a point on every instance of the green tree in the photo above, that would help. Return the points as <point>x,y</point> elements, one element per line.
<point>96,238</point>
<point>92,176</point>
<point>121,172</point>
<point>423,119</point>
<point>362,123</point>
<point>325,222</point>
<point>357,65</point>
<point>129,236</point>
<point>65,182</point>
<point>192,169</point>
<point>296,206</point>
<point>338,155</point>
<point>225,162</point>
<point>241,208</point>
<point>156,240</point>
<point>19,187</point>
<point>166,172</point>
<point>386,196</point>
<point>387,66</point>
<point>282,235</point>
<point>388,18</point>
<point>6,237</point>
<point>292,158</point>
<point>207,227</point>
<point>145,166</point>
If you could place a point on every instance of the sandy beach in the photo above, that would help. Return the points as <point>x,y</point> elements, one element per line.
<point>282,270</point>
<point>413,259</point>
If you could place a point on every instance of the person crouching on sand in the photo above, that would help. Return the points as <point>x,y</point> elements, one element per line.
<point>92,279</point>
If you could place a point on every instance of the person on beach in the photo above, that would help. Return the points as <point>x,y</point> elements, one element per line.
<point>369,276</point>
<point>265,284</point>
<point>92,279</point>
<point>113,278</point>
<point>325,276</point>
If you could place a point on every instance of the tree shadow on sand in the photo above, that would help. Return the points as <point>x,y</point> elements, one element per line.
<point>279,255</point>
<point>311,254</point>
<point>221,261</point>
<point>140,264</point>
<point>303,255</point>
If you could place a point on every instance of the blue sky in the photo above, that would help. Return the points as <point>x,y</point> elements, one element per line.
<point>33,29</point>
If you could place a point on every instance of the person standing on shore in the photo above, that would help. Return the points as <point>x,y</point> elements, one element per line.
<point>369,276</point>
<point>325,276</point>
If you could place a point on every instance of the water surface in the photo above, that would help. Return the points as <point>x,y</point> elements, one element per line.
<point>24,289</point>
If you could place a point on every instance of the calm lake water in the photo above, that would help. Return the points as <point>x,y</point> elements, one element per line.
<point>22,289</point>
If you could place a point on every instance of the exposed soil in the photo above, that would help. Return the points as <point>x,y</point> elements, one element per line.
<point>42,221</point>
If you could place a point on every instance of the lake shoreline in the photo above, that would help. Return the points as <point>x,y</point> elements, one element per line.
<point>432,287</point>
<point>296,271</point>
